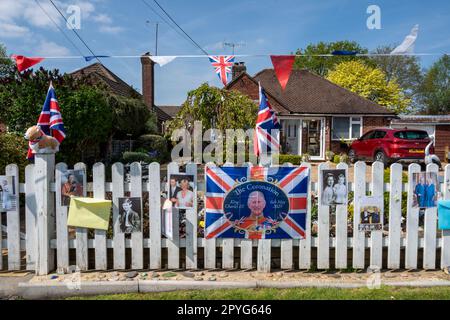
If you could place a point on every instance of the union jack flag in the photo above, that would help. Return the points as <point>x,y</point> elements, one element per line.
<point>264,139</point>
<point>232,219</point>
<point>222,65</point>
<point>50,120</point>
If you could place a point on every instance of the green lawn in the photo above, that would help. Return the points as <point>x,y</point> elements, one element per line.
<point>385,293</point>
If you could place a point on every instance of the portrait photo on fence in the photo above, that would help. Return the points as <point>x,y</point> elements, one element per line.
<point>371,213</point>
<point>334,190</point>
<point>130,215</point>
<point>8,196</point>
<point>182,190</point>
<point>73,183</point>
<point>426,190</point>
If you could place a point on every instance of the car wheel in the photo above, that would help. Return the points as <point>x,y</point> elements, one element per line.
<point>381,157</point>
<point>352,156</point>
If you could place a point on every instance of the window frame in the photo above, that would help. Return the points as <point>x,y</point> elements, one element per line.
<point>350,129</point>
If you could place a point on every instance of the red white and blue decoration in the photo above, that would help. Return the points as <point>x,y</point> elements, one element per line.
<point>256,202</point>
<point>266,138</point>
<point>222,66</point>
<point>50,121</point>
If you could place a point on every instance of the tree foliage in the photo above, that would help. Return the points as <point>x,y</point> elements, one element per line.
<point>369,82</point>
<point>321,65</point>
<point>91,114</point>
<point>404,69</point>
<point>435,89</point>
<point>216,108</point>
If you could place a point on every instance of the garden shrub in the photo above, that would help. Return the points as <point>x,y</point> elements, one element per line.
<point>290,158</point>
<point>13,150</point>
<point>155,146</point>
<point>130,157</point>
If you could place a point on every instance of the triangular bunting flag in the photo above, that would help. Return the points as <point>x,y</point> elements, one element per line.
<point>283,68</point>
<point>162,60</point>
<point>24,63</point>
<point>344,53</point>
<point>407,45</point>
<point>89,58</point>
<point>222,66</point>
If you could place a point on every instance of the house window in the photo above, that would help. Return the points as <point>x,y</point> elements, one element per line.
<point>346,128</point>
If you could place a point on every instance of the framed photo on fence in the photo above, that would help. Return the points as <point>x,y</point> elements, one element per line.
<point>130,215</point>
<point>371,213</point>
<point>334,187</point>
<point>426,190</point>
<point>8,197</point>
<point>182,190</point>
<point>73,183</point>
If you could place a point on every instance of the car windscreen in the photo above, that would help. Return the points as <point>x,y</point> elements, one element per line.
<point>411,135</point>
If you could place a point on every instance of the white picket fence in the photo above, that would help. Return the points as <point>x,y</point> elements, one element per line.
<point>46,238</point>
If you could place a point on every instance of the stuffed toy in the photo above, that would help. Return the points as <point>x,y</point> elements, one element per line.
<point>40,142</point>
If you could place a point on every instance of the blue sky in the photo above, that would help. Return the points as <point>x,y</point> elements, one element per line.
<point>115,27</point>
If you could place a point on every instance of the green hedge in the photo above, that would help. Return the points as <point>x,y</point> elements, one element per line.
<point>130,157</point>
<point>13,150</point>
<point>154,145</point>
<point>290,158</point>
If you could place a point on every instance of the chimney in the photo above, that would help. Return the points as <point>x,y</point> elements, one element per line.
<point>148,76</point>
<point>237,69</point>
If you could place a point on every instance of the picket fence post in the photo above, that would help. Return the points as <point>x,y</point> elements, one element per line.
<point>323,220</point>
<point>154,198</point>
<point>412,222</point>
<point>30,219</point>
<point>376,237</point>
<point>43,176</point>
<point>341,227</point>
<point>358,236</point>
<point>445,248</point>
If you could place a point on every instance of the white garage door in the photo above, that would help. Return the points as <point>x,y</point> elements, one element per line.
<point>429,129</point>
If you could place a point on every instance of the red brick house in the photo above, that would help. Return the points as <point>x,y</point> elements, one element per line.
<point>316,114</point>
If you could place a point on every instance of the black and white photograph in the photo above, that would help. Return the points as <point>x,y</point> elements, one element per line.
<point>426,190</point>
<point>181,191</point>
<point>371,213</point>
<point>73,183</point>
<point>334,190</point>
<point>130,215</point>
<point>7,194</point>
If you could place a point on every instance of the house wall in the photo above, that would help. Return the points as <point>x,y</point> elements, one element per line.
<point>442,141</point>
<point>369,123</point>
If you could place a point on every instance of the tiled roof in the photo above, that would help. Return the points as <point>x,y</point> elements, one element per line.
<point>307,93</point>
<point>98,72</point>
<point>170,110</point>
<point>422,119</point>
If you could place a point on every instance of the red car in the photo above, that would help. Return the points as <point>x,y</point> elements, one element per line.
<point>391,145</point>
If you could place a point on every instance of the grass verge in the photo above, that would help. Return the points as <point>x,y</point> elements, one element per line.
<point>384,293</point>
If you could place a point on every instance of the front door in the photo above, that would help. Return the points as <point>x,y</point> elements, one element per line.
<point>290,133</point>
<point>312,138</point>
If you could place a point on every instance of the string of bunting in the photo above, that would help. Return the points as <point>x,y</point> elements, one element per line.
<point>222,64</point>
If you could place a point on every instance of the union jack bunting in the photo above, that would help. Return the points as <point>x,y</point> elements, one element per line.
<point>256,202</point>
<point>50,120</point>
<point>266,138</point>
<point>222,65</point>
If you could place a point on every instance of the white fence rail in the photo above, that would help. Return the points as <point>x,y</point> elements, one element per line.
<point>47,243</point>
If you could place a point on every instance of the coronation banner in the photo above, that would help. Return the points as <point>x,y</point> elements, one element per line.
<point>256,202</point>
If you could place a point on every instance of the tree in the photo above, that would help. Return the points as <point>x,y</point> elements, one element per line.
<point>435,90</point>
<point>404,69</point>
<point>216,108</point>
<point>370,82</point>
<point>321,65</point>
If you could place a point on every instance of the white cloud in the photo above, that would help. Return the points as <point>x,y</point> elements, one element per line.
<point>111,29</point>
<point>8,30</point>
<point>102,18</point>
<point>49,48</point>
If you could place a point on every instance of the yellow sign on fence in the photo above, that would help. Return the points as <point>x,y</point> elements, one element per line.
<point>89,213</point>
